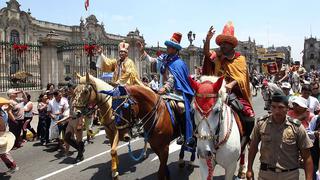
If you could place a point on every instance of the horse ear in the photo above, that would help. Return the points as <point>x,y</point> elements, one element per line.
<point>217,85</point>
<point>194,84</point>
<point>77,75</point>
<point>87,78</point>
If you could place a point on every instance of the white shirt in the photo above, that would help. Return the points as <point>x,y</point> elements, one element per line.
<point>57,107</point>
<point>154,85</point>
<point>313,104</point>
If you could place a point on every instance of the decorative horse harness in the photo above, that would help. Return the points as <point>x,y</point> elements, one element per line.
<point>205,115</point>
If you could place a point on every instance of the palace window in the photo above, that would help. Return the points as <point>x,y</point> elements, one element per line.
<point>68,69</point>
<point>14,36</point>
<point>311,56</point>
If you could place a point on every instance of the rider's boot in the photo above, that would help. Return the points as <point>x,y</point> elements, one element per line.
<point>191,142</point>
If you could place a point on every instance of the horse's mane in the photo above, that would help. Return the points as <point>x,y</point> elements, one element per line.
<point>222,91</point>
<point>142,93</point>
<point>99,84</point>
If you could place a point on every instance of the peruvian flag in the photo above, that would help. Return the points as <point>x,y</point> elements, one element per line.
<point>86,4</point>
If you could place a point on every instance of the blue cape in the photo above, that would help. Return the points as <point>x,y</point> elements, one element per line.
<point>179,70</point>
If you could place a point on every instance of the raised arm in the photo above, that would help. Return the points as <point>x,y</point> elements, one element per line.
<point>104,63</point>
<point>143,54</point>
<point>206,47</point>
<point>208,65</point>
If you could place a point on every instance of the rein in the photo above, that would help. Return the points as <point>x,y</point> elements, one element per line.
<point>146,135</point>
<point>215,136</point>
<point>96,106</point>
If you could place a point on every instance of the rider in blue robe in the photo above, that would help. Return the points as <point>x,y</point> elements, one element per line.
<point>174,80</point>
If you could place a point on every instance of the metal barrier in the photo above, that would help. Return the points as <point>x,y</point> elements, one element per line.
<point>19,66</point>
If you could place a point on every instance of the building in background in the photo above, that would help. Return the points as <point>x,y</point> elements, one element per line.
<point>49,52</point>
<point>270,55</point>
<point>311,53</point>
<point>249,50</point>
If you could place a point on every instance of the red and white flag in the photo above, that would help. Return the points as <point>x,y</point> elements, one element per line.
<point>86,4</point>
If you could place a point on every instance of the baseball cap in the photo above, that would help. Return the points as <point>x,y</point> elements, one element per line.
<point>12,91</point>
<point>302,102</point>
<point>286,85</point>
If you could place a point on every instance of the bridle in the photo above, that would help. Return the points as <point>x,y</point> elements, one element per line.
<point>214,136</point>
<point>84,104</point>
<point>134,119</point>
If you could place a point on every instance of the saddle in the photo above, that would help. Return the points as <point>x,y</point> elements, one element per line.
<point>175,105</point>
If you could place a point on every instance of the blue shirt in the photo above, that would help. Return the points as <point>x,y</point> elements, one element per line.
<point>4,116</point>
<point>312,128</point>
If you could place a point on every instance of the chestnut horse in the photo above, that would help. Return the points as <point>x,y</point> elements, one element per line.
<point>149,109</point>
<point>87,93</point>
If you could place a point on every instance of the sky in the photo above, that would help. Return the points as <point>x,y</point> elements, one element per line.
<point>269,22</point>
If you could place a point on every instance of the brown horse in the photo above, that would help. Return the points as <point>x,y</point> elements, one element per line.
<point>87,93</point>
<point>150,110</point>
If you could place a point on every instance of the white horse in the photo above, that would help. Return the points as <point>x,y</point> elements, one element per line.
<point>218,134</point>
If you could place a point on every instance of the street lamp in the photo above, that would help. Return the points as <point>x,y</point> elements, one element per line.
<point>191,37</point>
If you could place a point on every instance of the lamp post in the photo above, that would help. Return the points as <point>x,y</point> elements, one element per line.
<point>191,37</point>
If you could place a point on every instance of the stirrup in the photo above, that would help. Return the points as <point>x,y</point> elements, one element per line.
<point>180,140</point>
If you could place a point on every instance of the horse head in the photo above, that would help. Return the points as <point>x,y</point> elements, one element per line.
<point>208,102</point>
<point>85,93</point>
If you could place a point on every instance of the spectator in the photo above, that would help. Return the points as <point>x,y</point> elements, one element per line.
<point>57,108</point>
<point>50,87</point>
<point>315,90</point>
<point>28,116</point>
<point>314,132</point>
<point>313,103</point>
<point>286,88</point>
<point>154,84</point>
<point>44,119</point>
<point>7,139</point>
<point>145,81</point>
<point>300,111</point>
<point>17,117</point>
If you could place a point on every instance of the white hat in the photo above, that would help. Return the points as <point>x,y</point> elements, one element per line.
<point>302,102</point>
<point>12,91</point>
<point>123,46</point>
<point>6,142</point>
<point>286,85</point>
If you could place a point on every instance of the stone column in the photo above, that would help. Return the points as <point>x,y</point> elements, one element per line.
<point>192,51</point>
<point>51,69</point>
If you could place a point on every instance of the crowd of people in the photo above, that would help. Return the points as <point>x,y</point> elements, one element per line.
<point>18,111</point>
<point>301,105</point>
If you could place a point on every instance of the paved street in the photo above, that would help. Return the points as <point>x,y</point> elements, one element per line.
<point>39,162</point>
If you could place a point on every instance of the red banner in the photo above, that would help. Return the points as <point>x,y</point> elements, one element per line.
<point>86,4</point>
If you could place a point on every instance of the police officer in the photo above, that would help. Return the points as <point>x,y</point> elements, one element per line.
<point>282,140</point>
